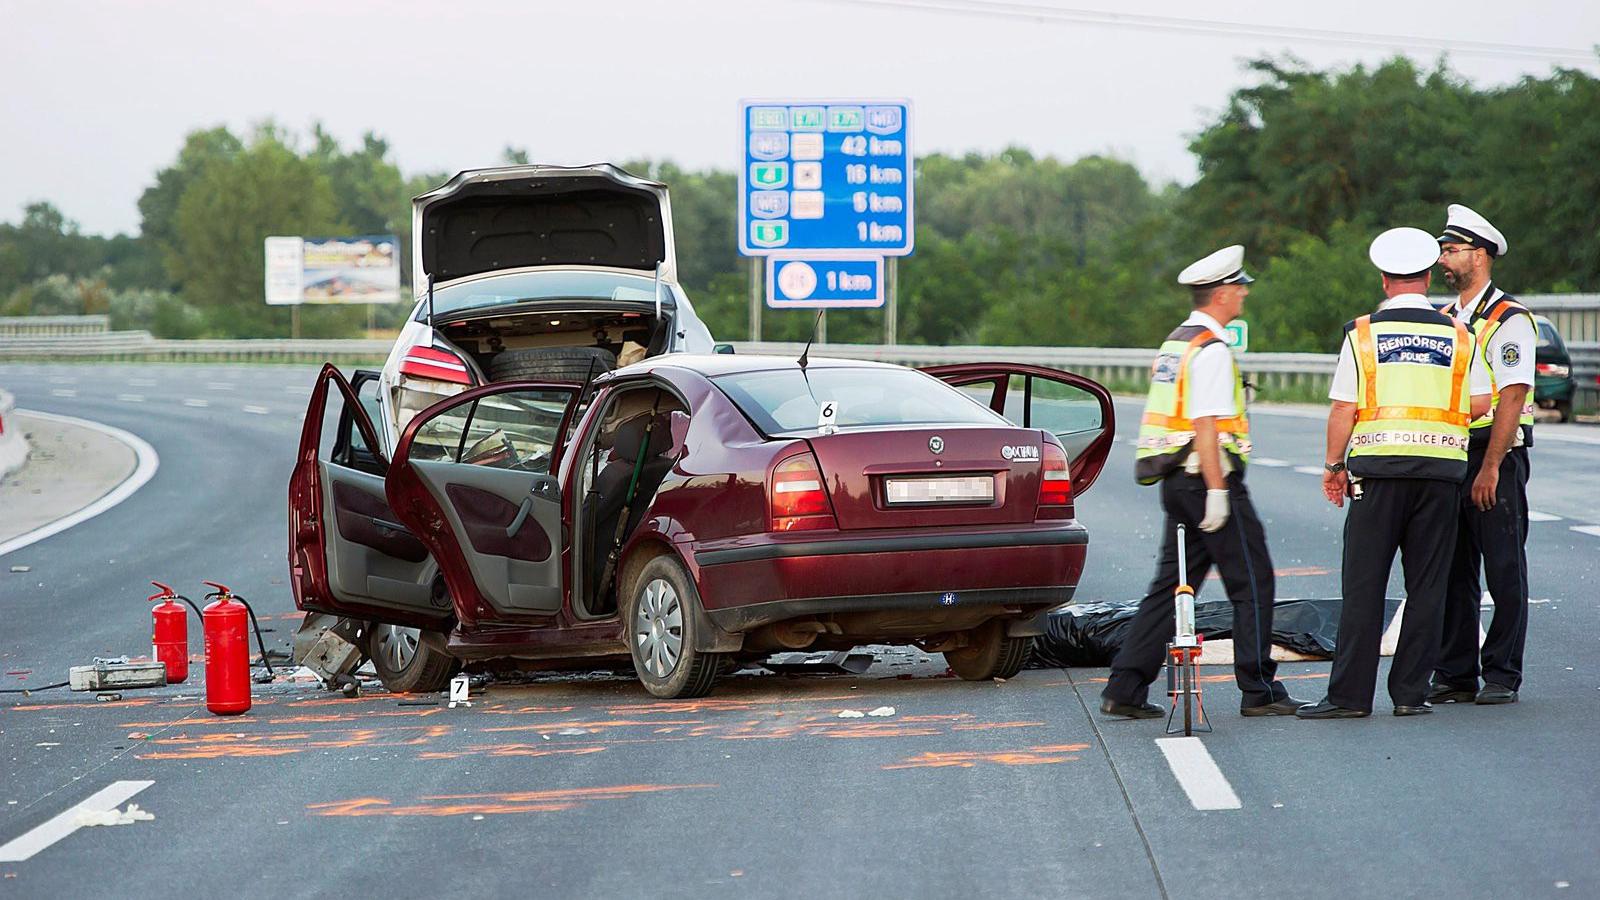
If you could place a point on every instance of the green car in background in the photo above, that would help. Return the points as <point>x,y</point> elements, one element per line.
<point>1553,384</point>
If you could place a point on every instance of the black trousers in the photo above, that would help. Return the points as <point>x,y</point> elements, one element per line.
<point>1416,516</point>
<point>1496,540</point>
<point>1239,549</point>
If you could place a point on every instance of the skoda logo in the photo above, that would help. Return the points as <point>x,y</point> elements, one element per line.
<point>936,444</point>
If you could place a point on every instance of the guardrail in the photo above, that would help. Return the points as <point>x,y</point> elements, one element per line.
<point>140,345</point>
<point>54,325</point>
<point>13,447</point>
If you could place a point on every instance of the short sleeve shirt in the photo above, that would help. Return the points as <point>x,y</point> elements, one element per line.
<point>1511,347</point>
<point>1211,374</point>
<point>1344,374</point>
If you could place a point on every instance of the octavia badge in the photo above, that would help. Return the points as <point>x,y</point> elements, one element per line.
<point>936,444</point>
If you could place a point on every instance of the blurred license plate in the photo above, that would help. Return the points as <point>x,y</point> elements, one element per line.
<point>959,489</point>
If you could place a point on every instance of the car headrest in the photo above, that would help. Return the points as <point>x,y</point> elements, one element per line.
<point>628,435</point>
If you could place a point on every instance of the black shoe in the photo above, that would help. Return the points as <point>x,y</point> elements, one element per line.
<point>1128,711</point>
<point>1403,710</point>
<point>1449,693</point>
<point>1326,709</point>
<point>1288,706</point>
<point>1493,694</point>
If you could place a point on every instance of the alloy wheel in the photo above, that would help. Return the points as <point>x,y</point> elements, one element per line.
<point>397,645</point>
<point>658,628</point>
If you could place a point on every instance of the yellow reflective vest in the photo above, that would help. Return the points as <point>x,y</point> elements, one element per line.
<point>1412,399</point>
<point>1486,319</point>
<point>1166,434</point>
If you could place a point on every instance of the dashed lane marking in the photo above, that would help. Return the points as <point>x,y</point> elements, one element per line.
<point>1587,529</point>
<point>63,392</point>
<point>196,402</point>
<point>258,410</point>
<point>220,385</point>
<point>1268,461</point>
<point>141,382</point>
<point>131,398</point>
<point>1535,516</point>
<point>1197,773</point>
<point>1309,470</point>
<point>23,847</point>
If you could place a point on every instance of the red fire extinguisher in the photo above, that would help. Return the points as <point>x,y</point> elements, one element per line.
<point>228,651</point>
<point>169,642</point>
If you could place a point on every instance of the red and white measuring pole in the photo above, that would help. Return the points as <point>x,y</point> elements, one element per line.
<point>1183,654</point>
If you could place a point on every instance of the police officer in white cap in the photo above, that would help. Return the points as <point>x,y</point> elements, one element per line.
<point>1494,508</point>
<point>1194,440</point>
<point>1407,384</point>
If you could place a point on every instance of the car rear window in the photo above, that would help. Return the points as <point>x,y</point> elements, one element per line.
<point>782,401</point>
<point>503,290</point>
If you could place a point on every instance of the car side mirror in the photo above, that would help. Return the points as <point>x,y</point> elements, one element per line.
<point>722,348</point>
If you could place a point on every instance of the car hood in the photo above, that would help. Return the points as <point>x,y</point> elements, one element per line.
<point>489,220</point>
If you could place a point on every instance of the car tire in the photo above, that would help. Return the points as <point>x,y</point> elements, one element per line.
<point>990,654</point>
<point>1564,410</point>
<point>659,626</point>
<point>405,663</point>
<point>567,364</point>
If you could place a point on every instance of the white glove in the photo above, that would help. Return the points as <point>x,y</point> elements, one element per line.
<point>1216,511</point>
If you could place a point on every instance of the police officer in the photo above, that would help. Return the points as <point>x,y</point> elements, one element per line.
<point>1407,383</point>
<point>1194,440</point>
<point>1494,503</point>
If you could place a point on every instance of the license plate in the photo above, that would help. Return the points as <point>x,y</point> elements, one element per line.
<point>922,491</point>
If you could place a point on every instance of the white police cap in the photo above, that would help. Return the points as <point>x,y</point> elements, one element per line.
<point>1226,266</point>
<point>1404,251</point>
<point>1464,226</point>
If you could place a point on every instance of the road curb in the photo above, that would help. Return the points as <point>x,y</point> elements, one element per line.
<point>146,461</point>
<point>13,446</point>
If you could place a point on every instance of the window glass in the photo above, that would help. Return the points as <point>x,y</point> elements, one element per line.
<point>1070,413</point>
<point>502,290</point>
<point>787,400</point>
<point>510,430</point>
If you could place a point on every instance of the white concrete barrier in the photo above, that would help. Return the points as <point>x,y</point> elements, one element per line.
<point>13,446</point>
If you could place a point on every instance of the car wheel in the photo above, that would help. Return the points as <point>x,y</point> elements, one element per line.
<point>660,633</point>
<point>405,663</point>
<point>1564,410</point>
<point>990,654</point>
<point>572,364</point>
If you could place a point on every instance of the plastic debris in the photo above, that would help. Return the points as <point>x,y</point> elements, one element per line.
<point>852,714</point>
<point>882,712</point>
<point>20,569</point>
<point>91,817</point>
<point>570,732</point>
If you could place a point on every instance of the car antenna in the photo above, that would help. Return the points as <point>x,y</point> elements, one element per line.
<point>806,353</point>
<point>658,290</point>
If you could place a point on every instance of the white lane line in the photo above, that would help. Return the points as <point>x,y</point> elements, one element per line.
<point>131,398</point>
<point>1197,773</point>
<point>59,380</point>
<point>220,385</point>
<point>306,392</point>
<point>63,392</point>
<point>1587,529</point>
<point>23,847</point>
<point>1309,470</point>
<point>196,402</point>
<point>144,469</point>
<point>1268,461</point>
<point>141,382</point>
<point>258,410</point>
<point>1535,516</point>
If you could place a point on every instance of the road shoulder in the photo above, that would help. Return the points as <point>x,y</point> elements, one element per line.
<point>73,466</point>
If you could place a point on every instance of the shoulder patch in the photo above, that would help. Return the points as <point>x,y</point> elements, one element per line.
<point>1510,355</point>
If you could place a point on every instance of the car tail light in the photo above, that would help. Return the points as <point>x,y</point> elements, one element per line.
<point>1553,369</point>
<point>439,365</point>
<point>1055,483</point>
<point>800,495</point>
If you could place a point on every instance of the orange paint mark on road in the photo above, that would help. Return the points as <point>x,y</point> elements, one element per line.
<point>590,725</point>
<point>985,726</point>
<point>244,746</point>
<point>1291,572</point>
<point>493,804</point>
<point>1208,679</point>
<point>966,759</point>
<point>509,750</point>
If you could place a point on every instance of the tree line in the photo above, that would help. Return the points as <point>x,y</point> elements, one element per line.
<point>1303,166</point>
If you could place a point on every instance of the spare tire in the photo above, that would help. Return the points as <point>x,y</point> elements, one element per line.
<point>570,364</point>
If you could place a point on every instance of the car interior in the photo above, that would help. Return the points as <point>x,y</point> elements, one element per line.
<point>617,333</point>
<point>621,469</point>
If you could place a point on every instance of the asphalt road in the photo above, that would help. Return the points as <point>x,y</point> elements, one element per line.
<point>585,786</point>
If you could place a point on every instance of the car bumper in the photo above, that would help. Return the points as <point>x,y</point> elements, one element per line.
<point>1550,389</point>
<point>753,582</point>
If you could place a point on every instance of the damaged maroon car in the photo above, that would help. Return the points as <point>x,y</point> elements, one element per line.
<point>694,512</point>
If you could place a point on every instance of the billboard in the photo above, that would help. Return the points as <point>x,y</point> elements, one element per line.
<point>361,269</point>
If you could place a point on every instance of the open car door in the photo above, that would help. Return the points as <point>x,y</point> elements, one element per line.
<point>1077,410</point>
<point>348,553</point>
<point>474,477</point>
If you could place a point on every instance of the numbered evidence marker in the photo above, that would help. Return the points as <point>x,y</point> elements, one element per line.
<point>818,281</point>
<point>828,417</point>
<point>459,690</point>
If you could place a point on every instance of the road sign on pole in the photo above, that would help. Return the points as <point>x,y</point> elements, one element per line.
<point>820,281</point>
<point>829,175</point>
<point>1238,335</point>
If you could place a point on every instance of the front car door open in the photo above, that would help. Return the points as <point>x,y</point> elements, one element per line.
<point>1077,410</point>
<point>474,477</point>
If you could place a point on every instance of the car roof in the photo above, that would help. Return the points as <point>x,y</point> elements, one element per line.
<point>712,365</point>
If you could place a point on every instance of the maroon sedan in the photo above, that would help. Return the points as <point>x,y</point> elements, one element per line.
<point>696,511</point>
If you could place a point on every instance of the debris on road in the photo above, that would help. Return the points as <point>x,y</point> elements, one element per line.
<point>882,712</point>
<point>20,569</point>
<point>837,662</point>
<point>852,714</point>
<point>91,817</point>
<point>117,673</point>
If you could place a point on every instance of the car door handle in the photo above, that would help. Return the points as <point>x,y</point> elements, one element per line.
<point>544,487</point>
<point>522,516</point>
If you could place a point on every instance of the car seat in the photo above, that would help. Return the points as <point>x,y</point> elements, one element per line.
<point>604,507</point>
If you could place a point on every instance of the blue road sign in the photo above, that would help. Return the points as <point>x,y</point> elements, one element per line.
<point>817,280</point>
<point>826,175</point>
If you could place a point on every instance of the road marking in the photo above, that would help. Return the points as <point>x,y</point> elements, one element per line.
<point>144,469</point>
<point>1197,773</point>
<point>131,398</point>
<point>59,380</point>
<point>1268,461</point>
<point>195,401</point>
<point>1535,516</point>
<point>258,410</point>
<point>220,385</point>
<point>306,392</point>
<point>63,392</point>
<point>1309,470</point>
<point>23,847</point>
<point>1587,529</point>
<point>141,382</point>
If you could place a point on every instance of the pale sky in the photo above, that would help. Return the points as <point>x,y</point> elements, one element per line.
<point>95,97</point>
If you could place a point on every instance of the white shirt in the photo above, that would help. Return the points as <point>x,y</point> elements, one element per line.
<point>1344,375</point>
<point>1211,374</point>
<point>1511,349</point>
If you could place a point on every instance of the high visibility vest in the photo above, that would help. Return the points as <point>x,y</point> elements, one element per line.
<point>1166,434</point>
<point>1484,322</point>
<point>1412,401</point>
